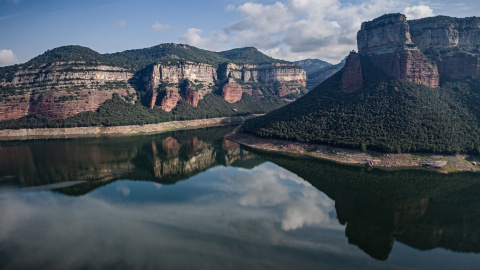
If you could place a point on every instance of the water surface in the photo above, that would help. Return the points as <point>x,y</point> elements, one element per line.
<point>190,199</point>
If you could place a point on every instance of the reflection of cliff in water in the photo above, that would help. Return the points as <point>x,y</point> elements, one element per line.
<point>163,158</point>
<point>424,210</point>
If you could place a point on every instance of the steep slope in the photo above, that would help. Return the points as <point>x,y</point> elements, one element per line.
<point>387,98</point>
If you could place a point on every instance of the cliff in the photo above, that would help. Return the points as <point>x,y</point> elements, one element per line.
<point>422,51</point>
<point>69,80</point>
<point>61,89</point>
<point>171,82</point>
<point>453,43</point>
<point>387,43</point>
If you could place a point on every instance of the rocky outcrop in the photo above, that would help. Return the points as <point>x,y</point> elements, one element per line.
<point>453,43</point>
<point>387,43</point>
<point>69,80</point>
<point>442,32</point>
<point>62,89</point>
<point>171,97</point>
<point>166,80</point>
<point>267,74</point>
<point>232,91</point>
<point>192,96</point>
<point>352,79</point>
<point>192,81</point>
<point>420,51</point>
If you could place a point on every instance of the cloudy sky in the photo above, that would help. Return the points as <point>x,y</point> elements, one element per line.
<point>285,29</point>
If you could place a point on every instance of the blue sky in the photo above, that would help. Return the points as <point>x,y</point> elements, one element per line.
<point>287,29</point>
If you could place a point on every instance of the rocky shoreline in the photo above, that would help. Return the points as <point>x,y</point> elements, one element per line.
<point>371,159</point>
<point>49,133</point>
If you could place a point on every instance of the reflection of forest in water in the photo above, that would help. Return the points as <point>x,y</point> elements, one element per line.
<point>421,209</point>
<point>165,158</point>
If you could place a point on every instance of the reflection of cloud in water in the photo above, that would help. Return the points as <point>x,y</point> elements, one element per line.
<point>212,230</point>
<point>124,190</point>
<point>269,185</point>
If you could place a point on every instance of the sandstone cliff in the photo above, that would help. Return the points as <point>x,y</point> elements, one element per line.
<point>453,43</point>
<point>69,80</point>
<point>420,51</point>
<point>61,89</point>
<point>387,43</point>
<point>190,81</point>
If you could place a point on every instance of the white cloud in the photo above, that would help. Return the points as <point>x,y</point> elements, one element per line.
<point>161,27</point>
<point>418,12</point>
<point>121,24</point>
<point>7,57</point>
<point>212,41</point>
<point>298,29</point>
<point>229,8</point>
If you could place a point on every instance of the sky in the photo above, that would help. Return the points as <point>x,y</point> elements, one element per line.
<point>284,29</point>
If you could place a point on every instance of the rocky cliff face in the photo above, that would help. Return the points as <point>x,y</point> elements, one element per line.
<point>421,51</point>
<point>192,81</point>
<point>352,79</point>
<point>72,79</point>
<point>453,43</point>
<point>387,42</point>
<point>61,89</point>
<point>167,80</point>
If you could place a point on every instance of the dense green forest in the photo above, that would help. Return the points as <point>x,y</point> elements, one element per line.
<point>118,112</point>
<point>249,55</point>
<point>385,115</point>
<point>139,58</point>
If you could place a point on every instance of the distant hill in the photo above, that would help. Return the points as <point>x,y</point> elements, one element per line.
<point>311,65</point>
<point>316,77</point>
<point>413,90</point>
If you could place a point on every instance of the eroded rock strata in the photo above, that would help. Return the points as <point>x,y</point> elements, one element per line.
<point>420,51</point>
<point>63,88</point>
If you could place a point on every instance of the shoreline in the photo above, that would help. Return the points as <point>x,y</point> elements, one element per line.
<point>371,159</point>
<point>97,131</point>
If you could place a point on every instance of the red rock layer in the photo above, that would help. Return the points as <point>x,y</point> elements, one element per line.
<point>351,79</point>
<point>15,107</point>
<point>170,100</point>
<point>459,65</point>
<point>409,65</point>
<point>58,104</point>
<point>232,92</point>
<point>54,106</point>
<point>191,96</point>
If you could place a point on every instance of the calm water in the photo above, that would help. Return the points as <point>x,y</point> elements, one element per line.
<point>189,200</point>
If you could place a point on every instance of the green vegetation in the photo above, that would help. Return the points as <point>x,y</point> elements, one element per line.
<point>215,106</point>
<point>118,112</point>
<point>67,54</point>
<point>249,55</point>
<point>386,115</point>
<point>137,59</point>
